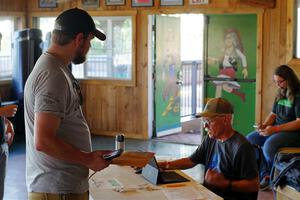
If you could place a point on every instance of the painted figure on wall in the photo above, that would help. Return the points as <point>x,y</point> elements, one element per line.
<point>233,58</point>
<point>171,92</point>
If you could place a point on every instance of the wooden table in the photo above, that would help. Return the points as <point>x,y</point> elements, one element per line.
<point>287,193</point>
<point>121,183</point>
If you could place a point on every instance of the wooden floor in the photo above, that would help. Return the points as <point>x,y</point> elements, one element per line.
<point>15,182</point>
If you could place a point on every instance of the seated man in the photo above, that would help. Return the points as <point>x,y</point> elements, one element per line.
<point>229,159</point>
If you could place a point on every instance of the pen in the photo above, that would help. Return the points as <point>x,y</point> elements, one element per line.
<point>176,185</point>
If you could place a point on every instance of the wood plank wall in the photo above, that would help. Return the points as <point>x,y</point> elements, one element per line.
<point>110,109</point>
<point>12,6</point>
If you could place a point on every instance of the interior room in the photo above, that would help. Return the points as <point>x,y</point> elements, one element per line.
<point>158,67</point>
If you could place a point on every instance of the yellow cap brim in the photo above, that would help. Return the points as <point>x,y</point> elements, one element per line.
<point>206,114</point>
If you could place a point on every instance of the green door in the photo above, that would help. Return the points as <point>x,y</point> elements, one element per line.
<point>231,42</point>
<point>167,67</point>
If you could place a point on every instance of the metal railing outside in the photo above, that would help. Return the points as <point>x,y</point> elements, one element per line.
<point>191,88</point>
<point>101,66</point>
<point>5,67</point>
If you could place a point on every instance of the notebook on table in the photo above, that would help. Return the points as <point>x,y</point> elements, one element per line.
<point>153,174</point>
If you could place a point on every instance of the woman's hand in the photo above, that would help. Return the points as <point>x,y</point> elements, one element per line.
<point>269,130</point>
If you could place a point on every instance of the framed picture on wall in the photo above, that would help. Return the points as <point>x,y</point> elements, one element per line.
<point>140,3</point>
<point>47,4</point>
<point>114,2</point>
<point>171,2</point>
<point>198,2</point>
<point>90,3</point>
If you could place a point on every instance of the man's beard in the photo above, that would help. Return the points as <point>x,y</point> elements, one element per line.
<point>79,58</point>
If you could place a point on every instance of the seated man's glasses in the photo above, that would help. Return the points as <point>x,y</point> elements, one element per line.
<point>208,120</point>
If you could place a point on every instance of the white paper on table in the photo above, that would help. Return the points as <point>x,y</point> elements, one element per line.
<point>182,193</point>
<point>111,183</point>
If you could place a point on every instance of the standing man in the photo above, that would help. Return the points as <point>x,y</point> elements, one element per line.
<point>229,159</point>
<point>58,142</point>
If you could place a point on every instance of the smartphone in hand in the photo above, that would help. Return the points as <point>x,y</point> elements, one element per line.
<point>113,154</point>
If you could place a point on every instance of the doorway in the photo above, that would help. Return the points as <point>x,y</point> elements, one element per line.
<point>203,77</point>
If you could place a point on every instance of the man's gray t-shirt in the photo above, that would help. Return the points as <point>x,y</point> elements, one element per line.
<point>50,89</point>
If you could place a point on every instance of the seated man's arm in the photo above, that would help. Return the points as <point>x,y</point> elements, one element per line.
<point>213,178</point>
<point>245,185</point>
<point>183,163</point>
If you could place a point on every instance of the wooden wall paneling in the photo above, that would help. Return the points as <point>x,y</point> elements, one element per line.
<point>259,64</point>
<point>262,3</point>
<point>100,108</point>
<point>33,6</point>
<point>271,53</point>
<point>107,106</point>
<point>13,5</point>
<point>144,75</point>
<point>271,59</point>
<point>283,32</point>
<point>143,72</point>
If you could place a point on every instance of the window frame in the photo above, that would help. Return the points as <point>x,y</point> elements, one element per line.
<point>21,16</point>
<point>291,59</point>
<point>109,80</point>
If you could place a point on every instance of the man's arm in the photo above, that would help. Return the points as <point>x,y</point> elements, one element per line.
<point>216,179</point>
<point>245,185</point>
<point>46,140</point>
<point>8,111</point>
<point>183,163</point>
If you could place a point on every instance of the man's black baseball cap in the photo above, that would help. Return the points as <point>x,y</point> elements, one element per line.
<point>76,21</point>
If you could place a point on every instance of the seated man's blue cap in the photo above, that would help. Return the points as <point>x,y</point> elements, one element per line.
<point>76,21</point>
<point>215,107</point>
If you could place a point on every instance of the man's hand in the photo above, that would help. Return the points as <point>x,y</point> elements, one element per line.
<point>95,160</point>
<point>215,179</point>
<point>8,111</point>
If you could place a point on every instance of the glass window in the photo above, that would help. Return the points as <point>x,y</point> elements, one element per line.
<point>8,26</point>
<point>109,59</point>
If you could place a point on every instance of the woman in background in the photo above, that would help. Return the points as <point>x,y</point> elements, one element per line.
<point>281,128</point>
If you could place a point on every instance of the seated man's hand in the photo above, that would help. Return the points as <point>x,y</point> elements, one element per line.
<point>215,179</point>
